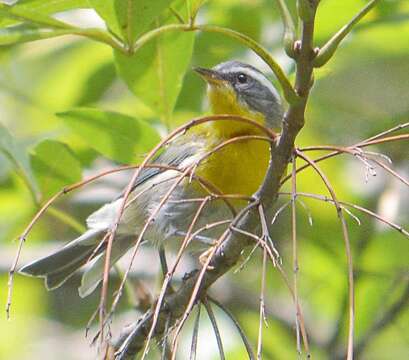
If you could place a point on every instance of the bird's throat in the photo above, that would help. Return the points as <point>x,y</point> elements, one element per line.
<point>223,100</point>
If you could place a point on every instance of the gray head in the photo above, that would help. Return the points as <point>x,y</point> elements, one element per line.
<point>251,87</point>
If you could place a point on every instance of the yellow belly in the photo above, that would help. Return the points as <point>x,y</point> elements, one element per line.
<point>238,168</point>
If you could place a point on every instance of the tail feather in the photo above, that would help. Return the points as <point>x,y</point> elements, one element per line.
<point>93,275</point>
<point>56,279</point>
<point>60,265</point>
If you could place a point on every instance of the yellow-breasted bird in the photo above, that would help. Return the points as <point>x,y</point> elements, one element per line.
<point>233,88</point>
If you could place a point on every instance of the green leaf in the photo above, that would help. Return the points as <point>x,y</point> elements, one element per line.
<point>72,74</point>
<point>119,137</point>
<point>18,157</point>
<point>195,6</point>
<point>97,83</point>
<point>44,7</point>
<point>328,50</point>
<point>155,72</point>
<point>20,14</point>
<point>54,166</point>
<point>129,18</point>
<point>326,24</point>
<point>24,33</point>
<point>51,6</point>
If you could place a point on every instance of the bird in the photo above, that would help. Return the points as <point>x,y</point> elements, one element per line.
<point>233,88</point>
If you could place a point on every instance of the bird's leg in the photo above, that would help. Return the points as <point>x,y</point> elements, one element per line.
<point>211,242</point>
<point>163,262</point>
<point>204,257</point>
<point>164,267</point>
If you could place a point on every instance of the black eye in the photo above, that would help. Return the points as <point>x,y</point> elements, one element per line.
<point>242,78</point>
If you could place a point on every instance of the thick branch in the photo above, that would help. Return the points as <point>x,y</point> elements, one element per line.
<point>228,254</point>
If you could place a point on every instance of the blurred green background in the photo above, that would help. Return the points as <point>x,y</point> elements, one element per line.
<point>48,140</point>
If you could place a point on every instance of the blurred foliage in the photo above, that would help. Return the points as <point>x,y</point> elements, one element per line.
<point>69,104</point>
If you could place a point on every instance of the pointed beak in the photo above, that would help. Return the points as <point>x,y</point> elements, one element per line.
<point>210,76</point>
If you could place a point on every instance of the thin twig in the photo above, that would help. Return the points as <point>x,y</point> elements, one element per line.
<point>279,211</point>
<point>362,144</point>
<point>22,239</point>
<point>139,240</point>
<point>295,250</point>
<point>247,259</point>
<point>350,346</point>
<point>261,242</point>
<point>391,171</point>
<point>262,310</point>
<point>354,206</point>
<point>165,355</point>
<point>386,132</point>
<point>215,328</point>
<point>188,237</point>
<point>266,234</point>
<point>47,206</point>
<point>246,342</point>
<point>229,248</point>
<point>195,334</point>
<point>129,188</point>
<point>195,291</point>
<point>170,273</point>
<point>360,155</point>
<point>201,274</point>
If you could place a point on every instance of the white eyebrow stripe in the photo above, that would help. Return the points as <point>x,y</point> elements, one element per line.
<point>258,76</point>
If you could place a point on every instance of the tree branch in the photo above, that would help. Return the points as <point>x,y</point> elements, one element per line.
<point>228,253</point>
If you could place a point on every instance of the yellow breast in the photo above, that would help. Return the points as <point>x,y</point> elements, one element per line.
<point>238,168</point>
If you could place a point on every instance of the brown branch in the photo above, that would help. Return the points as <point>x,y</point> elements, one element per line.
<point>344,204</point>
<point>170,273</point>
<point>295,248</point>
<point>227,254</point>
<point>362,155</point>
<point>273,258</point>
<point>371,141</point>
<point>212,189</point>
<point>262,316</point>
<point>129,188</point>
<point>351,291</point>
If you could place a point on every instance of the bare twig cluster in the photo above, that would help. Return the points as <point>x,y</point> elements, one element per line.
<point>166,317</point>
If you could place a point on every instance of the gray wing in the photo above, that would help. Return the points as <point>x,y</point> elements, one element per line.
<point>173,155</point>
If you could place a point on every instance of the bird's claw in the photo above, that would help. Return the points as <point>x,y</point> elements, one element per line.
<point>204,258</point>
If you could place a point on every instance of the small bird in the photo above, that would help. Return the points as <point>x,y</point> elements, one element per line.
<point>234,88</point>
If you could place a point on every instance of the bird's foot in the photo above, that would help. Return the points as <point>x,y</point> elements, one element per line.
<point>204,258</point>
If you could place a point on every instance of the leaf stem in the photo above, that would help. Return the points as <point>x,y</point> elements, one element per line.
<point>101,36</point>
<point>31,16</point>
<point>328,50</point>
<point>289,93</point>
<point>289,28</point>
